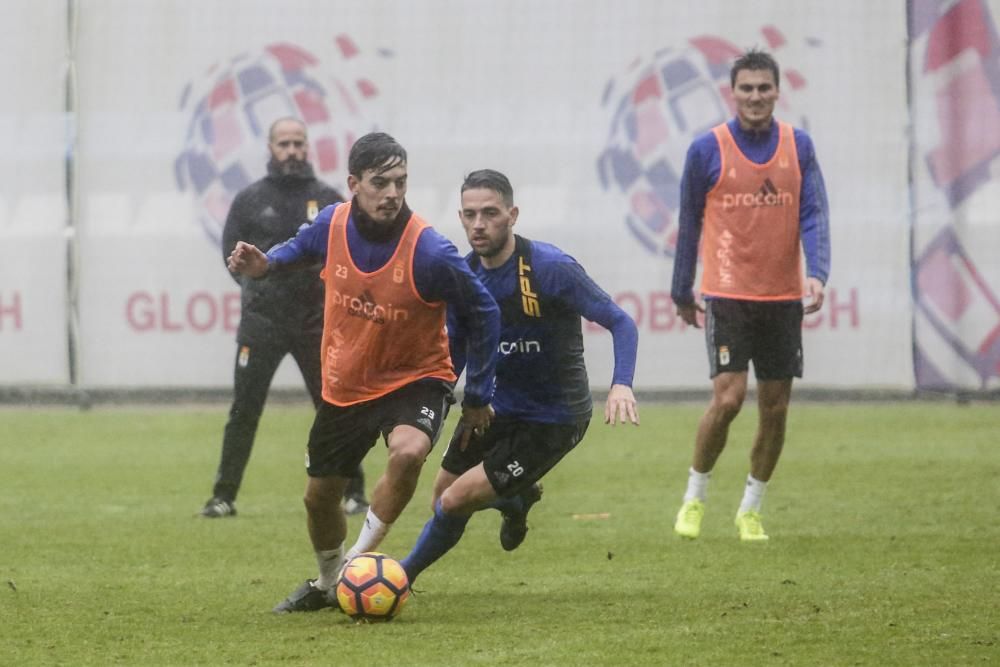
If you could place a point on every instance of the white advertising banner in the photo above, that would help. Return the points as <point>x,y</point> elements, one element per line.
<point>956,114</point>
<point>589,112</point>
<point>34,131</point>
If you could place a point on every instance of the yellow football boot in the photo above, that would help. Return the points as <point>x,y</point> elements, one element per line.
<point>688,522</point>
<point>750,528</point>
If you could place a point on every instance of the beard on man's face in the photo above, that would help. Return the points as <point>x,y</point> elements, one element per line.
<point>290,166</point>
<point>491,249</point>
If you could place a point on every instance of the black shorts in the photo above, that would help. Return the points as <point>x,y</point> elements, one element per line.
<point>514,453</point>
<point>768,333</point>
<point>341,436</point>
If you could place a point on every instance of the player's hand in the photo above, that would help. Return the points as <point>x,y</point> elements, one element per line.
<point>689,313</point>
<point>475,421</point>
<point>247,260</point>
<point>814,295</point>
<point>621,405</point>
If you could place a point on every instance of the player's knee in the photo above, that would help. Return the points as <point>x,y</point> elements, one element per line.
<point>728,405</point>
<point>450,502</point>
<point>320,498</point>
<point>312,502</point>
<point>456,503</point>
<point>408,453</point>
<point>407,459</point>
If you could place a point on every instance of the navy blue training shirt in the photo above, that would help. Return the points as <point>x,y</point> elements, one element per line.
<point>541,374</point>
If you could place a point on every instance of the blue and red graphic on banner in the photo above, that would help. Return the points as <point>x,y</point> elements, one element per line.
<point>955,52</point>
<point>657,107</point>
<point>233,105</point>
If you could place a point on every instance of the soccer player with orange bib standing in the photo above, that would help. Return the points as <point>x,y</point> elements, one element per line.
<point>752,193</point>
<point>386,363</point>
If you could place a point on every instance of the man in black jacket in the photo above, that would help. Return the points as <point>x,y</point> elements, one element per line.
<point>281,314</point>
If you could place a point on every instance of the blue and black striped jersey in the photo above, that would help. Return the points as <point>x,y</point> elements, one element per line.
<point>542,293</point>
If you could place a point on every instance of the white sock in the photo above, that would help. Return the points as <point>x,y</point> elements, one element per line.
<point>372,534</point>
<point>330,562</point>
<point>697,485</point>
<point>753,495</point>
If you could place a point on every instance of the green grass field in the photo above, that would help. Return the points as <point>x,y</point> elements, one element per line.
<point>885,549</point>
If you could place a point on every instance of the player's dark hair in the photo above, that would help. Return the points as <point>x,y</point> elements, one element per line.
<point>755,59</point>
<point>490,179</point>
<point>376,151</point>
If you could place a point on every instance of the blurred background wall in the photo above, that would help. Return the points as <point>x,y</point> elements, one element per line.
<point>127,126</point>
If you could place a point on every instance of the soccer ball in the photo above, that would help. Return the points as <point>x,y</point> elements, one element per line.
<point>373,587</point>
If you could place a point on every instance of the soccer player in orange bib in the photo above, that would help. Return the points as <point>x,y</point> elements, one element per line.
<point>387,368</point>
<point>752,193</point>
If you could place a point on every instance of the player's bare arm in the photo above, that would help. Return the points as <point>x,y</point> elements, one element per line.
<point>248,260</point>
<point>621,406</point>
<point>814,295</point>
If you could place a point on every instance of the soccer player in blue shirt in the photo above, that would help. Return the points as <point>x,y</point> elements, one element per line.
<point>542,398</point>
<point>753,200</point>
